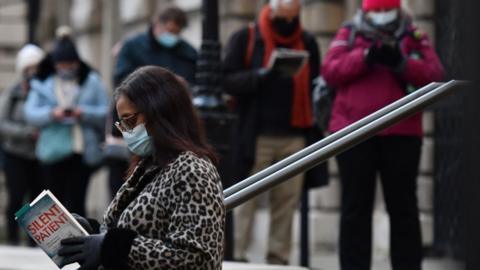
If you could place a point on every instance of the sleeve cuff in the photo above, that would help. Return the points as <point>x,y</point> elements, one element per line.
<point>116,247</point>
<point>94,224</point>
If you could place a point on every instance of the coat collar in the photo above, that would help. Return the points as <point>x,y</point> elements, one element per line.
<point>143,174</point>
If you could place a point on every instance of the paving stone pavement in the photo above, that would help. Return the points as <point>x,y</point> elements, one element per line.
<point>23,258</point>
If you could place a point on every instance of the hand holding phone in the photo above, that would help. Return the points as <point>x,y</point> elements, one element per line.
<point>68,112</point>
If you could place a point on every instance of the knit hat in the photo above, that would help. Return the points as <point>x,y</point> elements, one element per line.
<point>380,4</point>
<point>29,55</point>
<point>65,51</point>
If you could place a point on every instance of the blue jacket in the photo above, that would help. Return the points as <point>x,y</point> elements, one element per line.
<point>93,101</point>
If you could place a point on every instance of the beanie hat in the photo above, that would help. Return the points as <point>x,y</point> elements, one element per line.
<point>29,55</point>
<point>380,4</point>
<point>64,51</point>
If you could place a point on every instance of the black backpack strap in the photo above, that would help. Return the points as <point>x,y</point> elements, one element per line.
<point>250,44</point>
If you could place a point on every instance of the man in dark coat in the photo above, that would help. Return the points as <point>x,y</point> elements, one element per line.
<point>162,46</point>
<point>274,114</point>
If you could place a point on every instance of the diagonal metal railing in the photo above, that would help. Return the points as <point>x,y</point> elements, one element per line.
<point>314,147</point>
<point>337,142</point>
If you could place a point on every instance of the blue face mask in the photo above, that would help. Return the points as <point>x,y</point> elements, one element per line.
<point>67,74</point>
<point>168,39</point>
<point>138,141</point>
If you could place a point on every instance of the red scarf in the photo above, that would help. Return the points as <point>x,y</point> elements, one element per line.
<point>302,108</point>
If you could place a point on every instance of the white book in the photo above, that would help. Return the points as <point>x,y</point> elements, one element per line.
<point>48,222</point>
<point>288,62</point>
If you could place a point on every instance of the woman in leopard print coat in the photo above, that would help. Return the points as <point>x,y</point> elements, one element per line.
<point>169,214</point>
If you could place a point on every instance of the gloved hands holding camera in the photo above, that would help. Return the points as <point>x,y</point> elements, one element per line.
<point>385,54</point>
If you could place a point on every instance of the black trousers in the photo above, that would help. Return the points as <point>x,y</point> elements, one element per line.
<point>24,182</point>
<point>68,181</point>
<point>396,159</point>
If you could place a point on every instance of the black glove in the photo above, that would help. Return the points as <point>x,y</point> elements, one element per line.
<point>92,226</point>
<point>85,250</point>
<point>266,76</point>
<point>372,54</point>
<point>84,222</point>
<point>390,56</point>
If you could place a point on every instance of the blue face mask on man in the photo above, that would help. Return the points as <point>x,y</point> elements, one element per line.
<point>138,141</point>
<point>168,39</point>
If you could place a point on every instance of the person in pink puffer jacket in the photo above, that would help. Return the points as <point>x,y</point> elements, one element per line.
<point>374,60</point>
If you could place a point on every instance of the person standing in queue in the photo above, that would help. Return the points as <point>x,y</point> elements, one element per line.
<point>275,115</point>
<point>68,103</point>
<point>22,170</point>
<point>376,59</point>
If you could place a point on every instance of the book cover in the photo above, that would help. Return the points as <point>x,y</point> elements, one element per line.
<point>288,62</point>
<point>47,222</point>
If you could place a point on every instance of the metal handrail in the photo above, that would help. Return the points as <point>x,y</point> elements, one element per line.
<point>337,135</point>
<point>341,144</point>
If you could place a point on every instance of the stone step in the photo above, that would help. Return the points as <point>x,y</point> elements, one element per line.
<point>12,9</point>
<point>13,35</point>
<point>239,8</point>
<point>7,60</point>
<point>13,26</point>
<point>7,78</point>
<point>324,232</point>
<point>22,258</point>
<point>323,16</point>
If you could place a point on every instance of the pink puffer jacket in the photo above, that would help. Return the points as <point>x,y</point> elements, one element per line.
<point>362,89</point>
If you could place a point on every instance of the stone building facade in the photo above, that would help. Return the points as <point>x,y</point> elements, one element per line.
<point>98,25</point>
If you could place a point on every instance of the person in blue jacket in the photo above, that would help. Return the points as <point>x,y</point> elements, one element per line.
<point>68,103</point>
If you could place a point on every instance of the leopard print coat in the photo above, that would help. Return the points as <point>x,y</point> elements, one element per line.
<point>177,213</point>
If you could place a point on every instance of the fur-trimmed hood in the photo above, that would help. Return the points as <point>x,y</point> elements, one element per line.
<point>46,68</point>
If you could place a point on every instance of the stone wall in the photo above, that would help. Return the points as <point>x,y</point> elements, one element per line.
<point>13,33</point>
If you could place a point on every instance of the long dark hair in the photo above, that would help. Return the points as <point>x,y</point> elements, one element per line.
<point>163,98</point>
